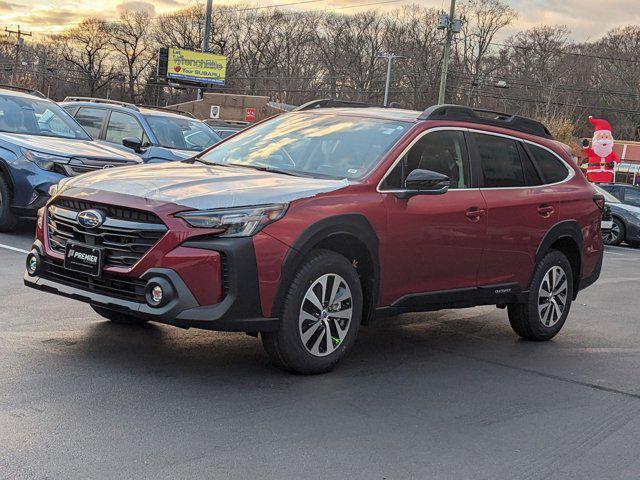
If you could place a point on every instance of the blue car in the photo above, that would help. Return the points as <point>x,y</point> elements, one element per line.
<point>39,145</point>
<point>156,134</point>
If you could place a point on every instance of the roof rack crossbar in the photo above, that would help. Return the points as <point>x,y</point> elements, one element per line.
<point>486,117</point>
<point>101,100</point>
<point>167,109</point>
<point>37,93</point>
<point>330,103</point>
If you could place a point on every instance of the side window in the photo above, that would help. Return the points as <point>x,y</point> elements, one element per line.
<point>632,196</point>
<point>122,125</point>
<point>91,120</point>
<point>531,176</point>
<point>500,161</point>
<point>444,151</point>
<point>551,168</point>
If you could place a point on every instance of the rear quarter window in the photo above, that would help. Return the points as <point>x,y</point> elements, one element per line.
<point>553,170</point>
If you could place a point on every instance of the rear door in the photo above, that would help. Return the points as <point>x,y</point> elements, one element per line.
<point>434,242</point>
<point>520,210</point>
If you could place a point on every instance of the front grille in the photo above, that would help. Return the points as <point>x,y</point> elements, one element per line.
<point>126,235</point>
<point>119,286</point>
<point>78,166</point>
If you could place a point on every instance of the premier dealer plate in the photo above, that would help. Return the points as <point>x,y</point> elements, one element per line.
<point>83,258</point>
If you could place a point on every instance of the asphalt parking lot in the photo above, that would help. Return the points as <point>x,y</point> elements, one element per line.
<point>451,394</point>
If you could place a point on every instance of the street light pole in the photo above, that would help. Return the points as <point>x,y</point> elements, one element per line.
<point>390,58</point>
<point>447,49</point>
<point>205,38</point>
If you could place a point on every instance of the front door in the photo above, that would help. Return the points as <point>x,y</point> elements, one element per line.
<point>435,242</point>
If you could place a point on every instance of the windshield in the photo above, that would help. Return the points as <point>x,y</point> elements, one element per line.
<point>312,144</point>
<point>182,133</point>
<point>32,116</point>
<point>607,196</point>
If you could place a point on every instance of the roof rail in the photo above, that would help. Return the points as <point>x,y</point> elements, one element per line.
<point>37,93</point>
<point>486,117</point>
<point>167,109</point>
<point>330,103</point>
<point>101,100</point>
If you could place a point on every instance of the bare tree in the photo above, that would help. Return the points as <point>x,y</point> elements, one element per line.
<point>87,48</point>
<point>131,40</point>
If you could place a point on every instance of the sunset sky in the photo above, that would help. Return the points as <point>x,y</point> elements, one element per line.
<point>588,19</point>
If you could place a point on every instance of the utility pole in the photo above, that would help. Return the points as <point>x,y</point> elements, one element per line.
<point>16,61</point>
<point>390,58</point>
<point>205,38</point>
<point>452,25</point>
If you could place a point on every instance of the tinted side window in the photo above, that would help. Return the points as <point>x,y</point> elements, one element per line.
<point>122,125</point>
<point>500,161</point>
<point>632,196</point>
<point>91,120</point>
<point>443,151</point>
<point>531,176</point>
<point>551,168</point>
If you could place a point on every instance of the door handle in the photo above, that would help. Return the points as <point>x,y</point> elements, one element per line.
<point>545,210</point>
<point>475,213</point>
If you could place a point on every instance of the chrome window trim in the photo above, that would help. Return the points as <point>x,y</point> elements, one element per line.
<point>571,171</point>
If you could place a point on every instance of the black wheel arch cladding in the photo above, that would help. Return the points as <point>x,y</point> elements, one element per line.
<point>562,236</point>
<point>357,229</point>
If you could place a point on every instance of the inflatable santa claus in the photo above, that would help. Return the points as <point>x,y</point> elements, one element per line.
<point>602,158</point>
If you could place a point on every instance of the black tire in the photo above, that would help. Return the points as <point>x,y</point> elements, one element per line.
<point>118,317</point>
<point>286,347</point>
<point>8,220</point>
<point>526,319</point>
<point>616,235</point>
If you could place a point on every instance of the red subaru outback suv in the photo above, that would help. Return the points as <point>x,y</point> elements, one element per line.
<point>307,225</point>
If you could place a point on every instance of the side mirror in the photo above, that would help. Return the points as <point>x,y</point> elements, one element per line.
<point>133,143</point>
<point>424,182</point>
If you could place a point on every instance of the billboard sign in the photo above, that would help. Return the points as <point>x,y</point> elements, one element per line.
<point>196,67</point>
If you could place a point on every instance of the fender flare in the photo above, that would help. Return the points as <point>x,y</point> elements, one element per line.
<point>566,229</point>
<point>355,225</point>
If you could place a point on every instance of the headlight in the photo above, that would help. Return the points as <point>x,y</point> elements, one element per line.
<point>43,160</point>
<point>237,222</point>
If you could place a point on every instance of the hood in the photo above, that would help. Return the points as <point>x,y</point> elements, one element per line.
<point>184,154</point>
<point>626,207</point>
<point>68,147</point>
<point>202,186</point>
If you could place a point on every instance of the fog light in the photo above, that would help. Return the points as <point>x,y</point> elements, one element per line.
<point>33,263</point>
<point>156,294</point>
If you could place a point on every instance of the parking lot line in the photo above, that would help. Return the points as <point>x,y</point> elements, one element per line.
<point>14,249</point>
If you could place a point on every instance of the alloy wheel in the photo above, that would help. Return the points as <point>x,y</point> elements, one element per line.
<point>611,235</point>
<point>325,315</point>
<point>552,296</point>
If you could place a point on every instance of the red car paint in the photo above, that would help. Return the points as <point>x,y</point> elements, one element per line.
<point>428,243</point>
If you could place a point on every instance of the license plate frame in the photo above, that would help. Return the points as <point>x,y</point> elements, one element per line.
<point>83,258</point>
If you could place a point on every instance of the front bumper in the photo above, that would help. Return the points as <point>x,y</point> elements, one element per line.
<point>238,311</point>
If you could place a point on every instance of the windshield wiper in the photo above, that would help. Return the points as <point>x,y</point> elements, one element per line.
<point>268,169</point>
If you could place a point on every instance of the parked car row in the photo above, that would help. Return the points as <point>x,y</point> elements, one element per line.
<point>42,142</point>
<point>625,214</point>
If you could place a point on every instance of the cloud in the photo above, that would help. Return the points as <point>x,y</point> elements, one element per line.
<point>7,7</point>
<point>136,5</point>
<point>51,17</point>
